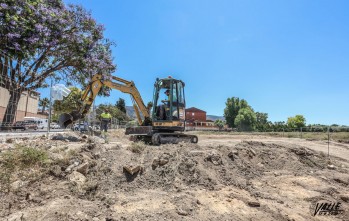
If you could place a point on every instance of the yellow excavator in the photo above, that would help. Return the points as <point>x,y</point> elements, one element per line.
<point>165,123</point>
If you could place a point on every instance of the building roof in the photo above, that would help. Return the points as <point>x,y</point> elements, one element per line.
<point>194,109</point>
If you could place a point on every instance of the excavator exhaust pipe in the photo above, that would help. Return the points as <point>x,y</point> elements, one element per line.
<point>66,119</point>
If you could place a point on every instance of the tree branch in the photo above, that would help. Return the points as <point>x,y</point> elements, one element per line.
<point>39,79</point>
<point>6,66</point>
<point>12,71</point>
<point>44,74</point>
<point>36,65</point>
<point>33,64</point>
<point>5,73</point>
<point>41,59</point>
<point>1,65</point>
<point>5,81</point>
<point>18,71</point>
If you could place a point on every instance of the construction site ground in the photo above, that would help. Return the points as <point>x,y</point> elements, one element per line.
<point>223,177</point>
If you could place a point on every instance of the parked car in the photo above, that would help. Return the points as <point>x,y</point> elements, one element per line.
<point>96,127</point>
<point>42,123</point>
<point>31,125</point>
<point>54,126</point>
<point>18,125</point>
<point>80,127</point>
<point>25,125</point>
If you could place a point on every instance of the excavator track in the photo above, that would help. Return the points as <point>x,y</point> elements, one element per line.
<point>172,138</point>
<point>165,138</point>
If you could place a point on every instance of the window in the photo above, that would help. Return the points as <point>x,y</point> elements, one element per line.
<point>180,93</point>
<point>174,93</point>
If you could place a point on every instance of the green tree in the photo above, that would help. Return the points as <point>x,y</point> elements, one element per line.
<point>113,110</point>
<point>233,105</point>
<point>297,121</point>
<point>279,125</point>
<point>246,119</point>
<point>54,117</point>
<point>261,121</point>
<point>219,123</point>
<point>45,102</point>
<point>149,106</point>
<point>70,103</point>
<point>120,104</point>
<point>45,38</point>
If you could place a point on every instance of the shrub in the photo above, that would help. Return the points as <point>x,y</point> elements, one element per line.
<point>19,160</point>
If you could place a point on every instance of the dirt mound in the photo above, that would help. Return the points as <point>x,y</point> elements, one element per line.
<point>223,165</point>
<point>170,168</point>
<point>258,157</point>
<point>91,180</point>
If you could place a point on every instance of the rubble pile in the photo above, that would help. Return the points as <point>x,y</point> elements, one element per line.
<point>85,178</point>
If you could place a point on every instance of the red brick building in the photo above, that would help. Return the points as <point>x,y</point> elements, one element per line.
<point>195,114</point>
<point>197,118</point>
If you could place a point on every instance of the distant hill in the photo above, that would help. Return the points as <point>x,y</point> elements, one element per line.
<point>214,117</point>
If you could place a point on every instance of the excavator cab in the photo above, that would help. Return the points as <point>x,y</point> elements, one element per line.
<point>168,105</point>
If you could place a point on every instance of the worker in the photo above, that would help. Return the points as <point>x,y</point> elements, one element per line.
<point>165,107</point>
<point>105,120</point>
<point>168,98</point>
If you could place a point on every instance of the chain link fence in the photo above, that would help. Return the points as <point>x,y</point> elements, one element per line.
<point>334,133</point>
<point>320,132</point>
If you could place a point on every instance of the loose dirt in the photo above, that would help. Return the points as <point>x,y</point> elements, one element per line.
<point>223,177</point>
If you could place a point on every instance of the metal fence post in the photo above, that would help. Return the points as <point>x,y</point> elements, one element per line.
<point>328,141</point>
<point>49,113</point>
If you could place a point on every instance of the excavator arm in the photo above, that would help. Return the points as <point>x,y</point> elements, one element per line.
<point>93,88</point>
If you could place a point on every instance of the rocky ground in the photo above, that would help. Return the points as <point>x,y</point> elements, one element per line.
<point>223,177</point>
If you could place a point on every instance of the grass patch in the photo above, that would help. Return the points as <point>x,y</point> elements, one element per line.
<point>21,163</point>
<point>32,157</point>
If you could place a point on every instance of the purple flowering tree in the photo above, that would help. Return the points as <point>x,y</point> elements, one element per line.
<point>45,38</point>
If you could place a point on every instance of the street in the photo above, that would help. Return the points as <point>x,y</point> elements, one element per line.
<point>26,133</point>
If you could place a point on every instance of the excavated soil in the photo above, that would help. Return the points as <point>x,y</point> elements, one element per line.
<point>221,178</point>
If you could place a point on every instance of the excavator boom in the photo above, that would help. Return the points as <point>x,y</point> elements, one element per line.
<point>93,88</point>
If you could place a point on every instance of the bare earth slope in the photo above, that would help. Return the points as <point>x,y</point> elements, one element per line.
<point>220,178</point>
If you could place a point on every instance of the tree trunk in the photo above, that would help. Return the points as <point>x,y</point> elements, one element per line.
<point>11,109</point>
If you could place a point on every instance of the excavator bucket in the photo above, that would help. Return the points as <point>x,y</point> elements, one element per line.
<point>67,119</point>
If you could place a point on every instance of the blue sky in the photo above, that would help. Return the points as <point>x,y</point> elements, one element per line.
<point>283,57</point>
